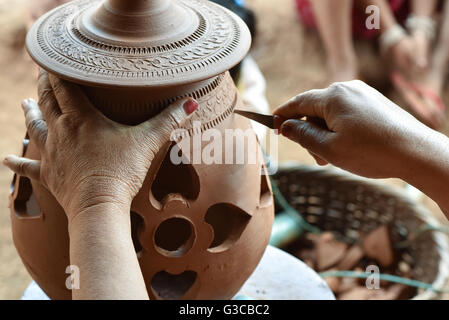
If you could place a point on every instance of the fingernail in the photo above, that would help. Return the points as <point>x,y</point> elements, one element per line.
<point>24,103</point>
<point>286,131</point>
<point>190,106</point>
<point>278,121</point>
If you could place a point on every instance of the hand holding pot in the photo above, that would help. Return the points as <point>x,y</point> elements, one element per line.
<point>94,167</point>
<point>87,159</point>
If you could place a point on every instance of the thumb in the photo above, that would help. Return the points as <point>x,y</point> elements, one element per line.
<point>160,128</point>
<point>309,135</point>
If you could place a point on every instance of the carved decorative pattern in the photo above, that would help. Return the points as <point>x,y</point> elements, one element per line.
<point>217,101</point>
<point>221,102</point>
<point>201,30</point>
<point>216,37</point>
<point>150,106</point>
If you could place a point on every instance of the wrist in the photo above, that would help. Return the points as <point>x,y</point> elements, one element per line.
<point>426,166</point>
<point>97,191</point>
<point>97,196</point>
<point>414,150</point>
<point>391,36</point>
<point>423,24</point>
<point>103,214</point>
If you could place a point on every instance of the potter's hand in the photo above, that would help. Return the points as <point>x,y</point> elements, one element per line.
<point>353,126</point>
<point>87,159</point>
<point>94,167</point>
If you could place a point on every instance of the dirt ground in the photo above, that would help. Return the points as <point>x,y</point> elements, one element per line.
<point>290,57</point>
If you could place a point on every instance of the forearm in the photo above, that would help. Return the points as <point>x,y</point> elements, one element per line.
<point>427,168</point>
<point>102,249</point>
<point>441,52</point>
<point>334,25</point>
<point>424,8</point>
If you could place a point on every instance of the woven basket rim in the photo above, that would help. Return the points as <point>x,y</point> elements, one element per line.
<point>419,210</point>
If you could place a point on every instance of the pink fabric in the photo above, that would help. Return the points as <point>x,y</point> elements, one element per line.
<point>399,7</point>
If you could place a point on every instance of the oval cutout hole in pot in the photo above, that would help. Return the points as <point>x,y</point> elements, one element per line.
<point>266,196</point>
<point>170,286</point>
<point>228,223</point>
<point>25,204</point>
<point>175,178</point>
<point>137,224</point>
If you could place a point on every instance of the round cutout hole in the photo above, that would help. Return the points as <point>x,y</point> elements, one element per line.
<point>174,237</point>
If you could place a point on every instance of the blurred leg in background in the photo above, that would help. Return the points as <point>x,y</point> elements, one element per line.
<point>334,22</point>
<point>422,27</point>
<point>431,79</point>
<point>339,21</point>
<point>440,57</point>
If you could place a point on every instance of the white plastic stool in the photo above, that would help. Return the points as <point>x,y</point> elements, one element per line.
<point>279,276</point>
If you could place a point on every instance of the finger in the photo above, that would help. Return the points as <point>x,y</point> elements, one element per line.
<point>421,59</point>
<point>319,160</point>
<point>310,103</point>
<point>70,97</point>
<point>23,166</point>
<point>277,122</point>
<point>310,136</point>
<point>160,128</point>
<point>421,51</point>
<point>34,121</point>
<point>47,100</point>
<point>318,121</point>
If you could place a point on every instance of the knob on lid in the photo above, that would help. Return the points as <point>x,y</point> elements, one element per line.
<point>138,43</point>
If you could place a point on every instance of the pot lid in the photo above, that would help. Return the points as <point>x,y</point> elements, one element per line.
<point>138,43</point>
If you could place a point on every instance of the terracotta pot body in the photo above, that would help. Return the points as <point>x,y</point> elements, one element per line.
<point>199,229</point>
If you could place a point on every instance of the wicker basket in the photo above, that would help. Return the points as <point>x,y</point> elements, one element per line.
<point>350,206</point>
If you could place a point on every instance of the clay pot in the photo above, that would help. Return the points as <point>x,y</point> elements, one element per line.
<point>199,230</point>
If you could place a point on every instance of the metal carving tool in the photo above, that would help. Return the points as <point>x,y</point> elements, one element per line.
<point>265,119</point>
